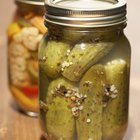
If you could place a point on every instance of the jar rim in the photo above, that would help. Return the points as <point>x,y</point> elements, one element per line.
<point>115,4</point>
<point>101,16</point>
<point>31,2</point>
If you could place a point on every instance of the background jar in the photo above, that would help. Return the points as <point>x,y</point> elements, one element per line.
<point>84,67</point>
<point>24,34</point>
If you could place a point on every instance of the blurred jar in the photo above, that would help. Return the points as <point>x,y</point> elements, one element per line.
<point>24,34</point>
<point>84,65</point>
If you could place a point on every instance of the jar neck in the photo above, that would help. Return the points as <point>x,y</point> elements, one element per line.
<point>24,8</point>
<point>58,31</point>
<point>113,27</point>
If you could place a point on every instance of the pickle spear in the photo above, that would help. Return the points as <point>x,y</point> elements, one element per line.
<point>55,54</point>
<point>116,111</point>
<point>60,122</point>
<point>83,56</point>
<point>89,122</point>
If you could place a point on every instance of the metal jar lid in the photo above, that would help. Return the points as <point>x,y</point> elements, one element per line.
<point>85,13</point>
<point>31,2</point>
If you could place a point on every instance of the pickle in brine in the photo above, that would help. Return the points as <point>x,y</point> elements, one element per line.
<point>54,55</point>
<point>116,111</point>
<point>89,122</point>
<point>83,56</point>
<point>60,122</point>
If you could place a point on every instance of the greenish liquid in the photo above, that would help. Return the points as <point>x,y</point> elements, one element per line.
<point>84,86</point>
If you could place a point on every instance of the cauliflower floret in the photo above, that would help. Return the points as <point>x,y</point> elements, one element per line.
<point>18,37</point>
<point>17,67</point>
<point>31,42</point>
<point>20,76</point>
<point>18,71</point>
<point>20,79</point>
<point>19,52</point>
<point>39,37</point>
<point>17,49</point>
<point>26,31</point>
<point>31,38</point>
<point>18,64</point>
<point>20,61</point>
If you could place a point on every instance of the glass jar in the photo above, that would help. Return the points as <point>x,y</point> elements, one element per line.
<point>84,67</point>
<point>24,34</point>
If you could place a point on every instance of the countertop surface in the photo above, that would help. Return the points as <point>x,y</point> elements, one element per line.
<point>16,126</point>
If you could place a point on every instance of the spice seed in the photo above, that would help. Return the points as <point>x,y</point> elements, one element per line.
<point>73,98</point>
<point>88,120</point>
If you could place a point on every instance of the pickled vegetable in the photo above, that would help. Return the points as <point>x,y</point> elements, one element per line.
<point>24,35</point>
<point>59,117</point>
<point>89,122</point>
<point>32,67</point>
<point>30,91</point>
<point>38,22</point>
<point>55,54</point>
<point>23,22</point>
<point>23,100</point>
<point>83,56</point>
<point>85,96</point>
<point>13,29</point>
<point>115,113</point>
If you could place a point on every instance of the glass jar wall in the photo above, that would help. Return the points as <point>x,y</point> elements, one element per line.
<point>24,34</point>
<point>84,84</point>
<point>84,68</point>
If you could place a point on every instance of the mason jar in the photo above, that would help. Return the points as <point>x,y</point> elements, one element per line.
<point>84,67</point>
<point>24,34</point>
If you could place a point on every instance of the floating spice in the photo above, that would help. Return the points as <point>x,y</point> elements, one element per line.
<point>71,94</point>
